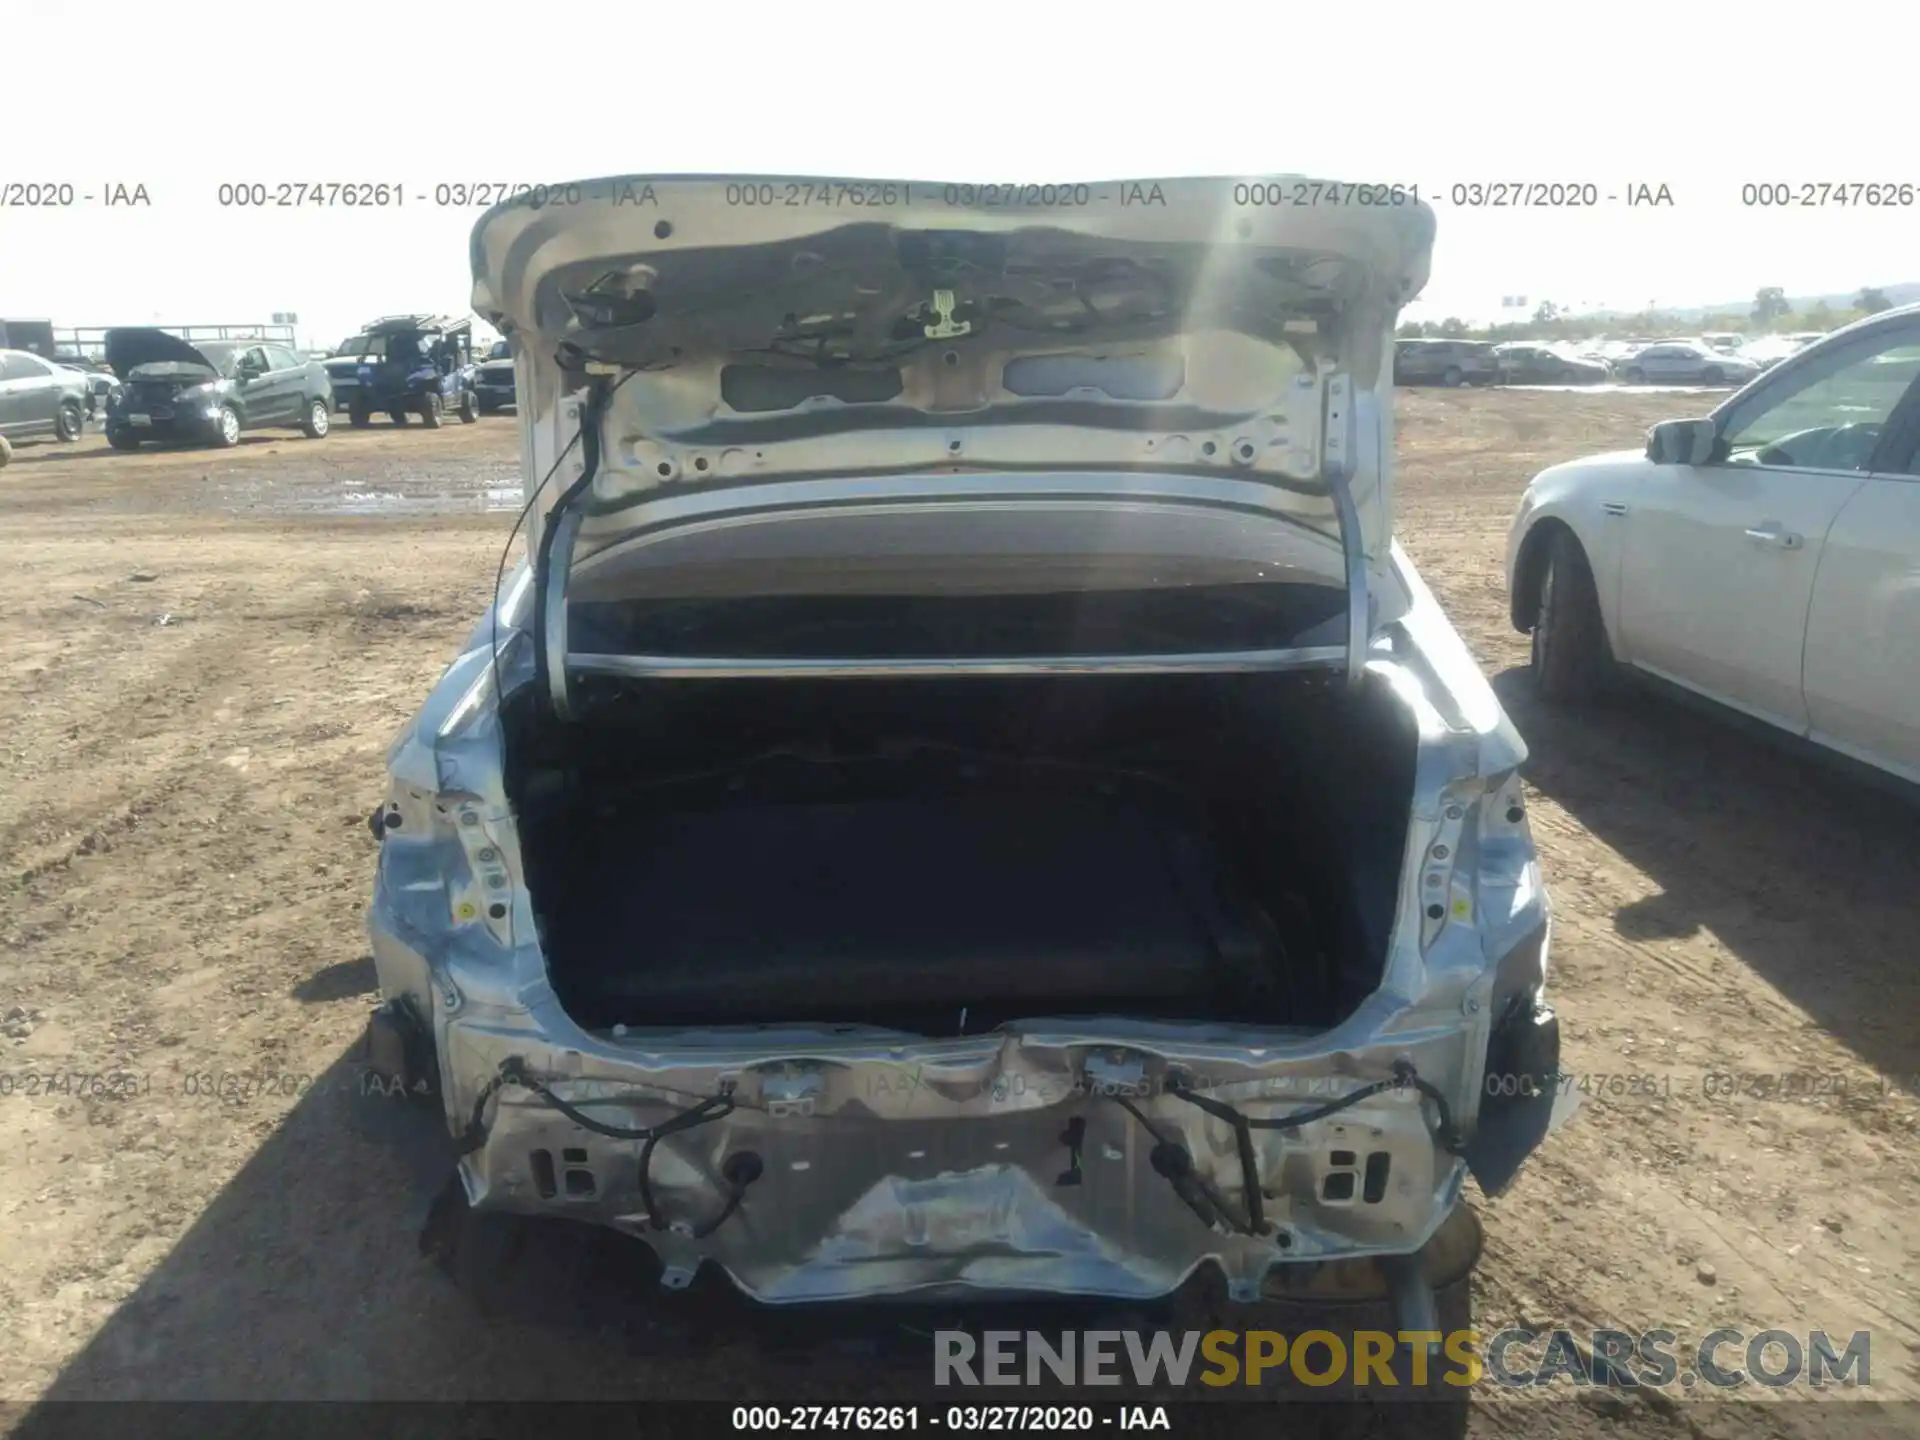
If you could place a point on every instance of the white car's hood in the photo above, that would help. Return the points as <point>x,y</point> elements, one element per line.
<point>1606,460</point>
<point>768,329</point>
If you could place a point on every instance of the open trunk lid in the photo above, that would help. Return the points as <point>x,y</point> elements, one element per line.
<point>732,340</point>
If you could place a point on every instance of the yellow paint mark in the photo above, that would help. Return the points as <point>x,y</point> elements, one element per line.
<point>1461,909</point>
<point>466,910</point>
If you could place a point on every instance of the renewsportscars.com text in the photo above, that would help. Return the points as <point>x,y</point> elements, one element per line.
<point>1723,1359</point>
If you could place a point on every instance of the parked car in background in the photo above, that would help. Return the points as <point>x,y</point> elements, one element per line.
<point>40,398</point>
<point>424,367</point>
<point>1618,352</point>
<point>1769,350</point>
<point>1527,362</point>
<point>493,379</point>
<point>344,361</point>
<point>101,382</point>
<point>1762,557</point>
<point>1685,362</point>
<point>1728,342</point>
<point>208,393</point>
<point>1444,362</point>
<point>1264,869</point>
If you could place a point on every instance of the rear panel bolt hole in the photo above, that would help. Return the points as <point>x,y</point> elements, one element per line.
<point>1434,912</point>
<point>1379,1165</point>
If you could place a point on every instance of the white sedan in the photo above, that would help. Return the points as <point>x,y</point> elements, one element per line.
<point>1685,362</point>
<point>1766,557</point>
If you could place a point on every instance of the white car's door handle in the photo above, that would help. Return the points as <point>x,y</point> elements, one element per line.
<point>1773,535</point>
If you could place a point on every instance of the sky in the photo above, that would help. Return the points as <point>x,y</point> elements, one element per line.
<point>1701,99</point>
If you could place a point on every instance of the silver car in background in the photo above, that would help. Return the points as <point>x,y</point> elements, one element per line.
<point>1684,362</point>
<point>968,797</point>
<point>41,398</point>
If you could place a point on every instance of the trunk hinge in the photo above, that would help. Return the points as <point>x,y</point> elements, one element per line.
<point>553,552</point>
<point>553,611</point>
<point>1336,467</point>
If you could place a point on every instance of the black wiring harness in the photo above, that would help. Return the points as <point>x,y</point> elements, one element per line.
<point>587,436</point>
<point>740,1171</point>
<point>1171,1159</point>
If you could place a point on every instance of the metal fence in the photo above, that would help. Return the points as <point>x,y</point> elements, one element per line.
<point>91,340</point>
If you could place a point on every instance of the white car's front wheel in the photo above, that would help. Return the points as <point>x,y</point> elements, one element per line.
<point>1571,659</point>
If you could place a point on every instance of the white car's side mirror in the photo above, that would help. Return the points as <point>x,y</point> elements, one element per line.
<point>1682,442</point>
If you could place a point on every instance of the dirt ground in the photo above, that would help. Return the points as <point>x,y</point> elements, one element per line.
<point>206,654</point>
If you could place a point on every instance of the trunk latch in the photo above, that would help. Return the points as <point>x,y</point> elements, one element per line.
<point>791,1091</point>
<point>944,326</point>
<point>1115,1074</point>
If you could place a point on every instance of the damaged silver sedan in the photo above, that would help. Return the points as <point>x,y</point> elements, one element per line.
<point>966,797</point>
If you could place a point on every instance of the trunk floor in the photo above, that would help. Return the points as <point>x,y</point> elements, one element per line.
<point>856,912</point>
